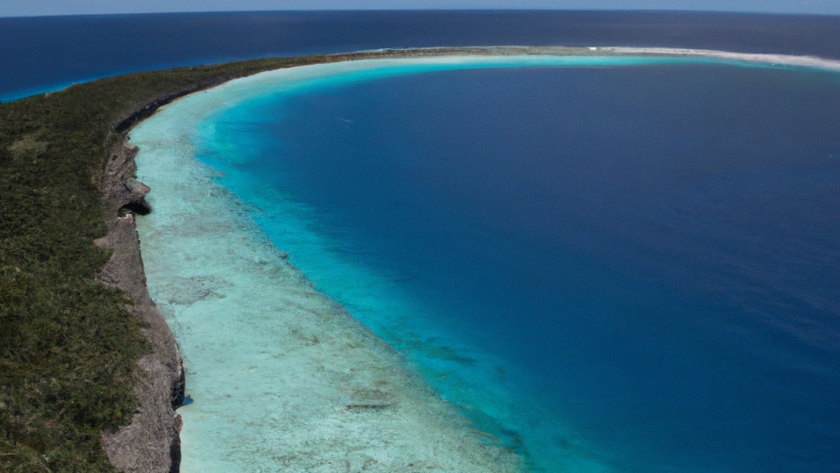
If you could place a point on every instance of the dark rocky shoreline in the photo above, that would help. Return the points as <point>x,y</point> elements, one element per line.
<point>150,442</point>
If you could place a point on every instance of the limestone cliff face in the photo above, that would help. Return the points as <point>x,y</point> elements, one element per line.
<point>118,184</point>
<point>150,443</point>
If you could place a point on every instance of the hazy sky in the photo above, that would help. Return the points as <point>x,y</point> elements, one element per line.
<point>69,7</point>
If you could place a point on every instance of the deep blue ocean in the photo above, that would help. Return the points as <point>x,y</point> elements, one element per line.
<point>642,261</point>
<point>43,54</point>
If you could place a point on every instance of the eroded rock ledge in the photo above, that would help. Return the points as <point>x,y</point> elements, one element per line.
<point>150,442</point>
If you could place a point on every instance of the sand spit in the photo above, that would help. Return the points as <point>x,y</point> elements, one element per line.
<point>769,59</point>
<point>760,58</point>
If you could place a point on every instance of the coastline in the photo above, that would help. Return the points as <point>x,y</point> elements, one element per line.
<point>150,442</point>
<point>303,379</point>
<point>768,59</point>
<point>129,122</point>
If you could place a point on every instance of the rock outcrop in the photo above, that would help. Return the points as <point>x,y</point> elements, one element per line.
<point>150,442</point>
<point>119,187</point>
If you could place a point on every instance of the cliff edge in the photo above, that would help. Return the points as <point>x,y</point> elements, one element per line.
<point>150,442</point>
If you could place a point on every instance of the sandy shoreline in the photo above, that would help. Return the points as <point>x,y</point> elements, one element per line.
<point>769,59</point>
<point>758,58</point>
<point>328,390</point>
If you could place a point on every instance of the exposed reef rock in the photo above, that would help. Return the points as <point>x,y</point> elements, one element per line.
<point>151,441</point>
<point>128,120</point>
<point>118,184</point>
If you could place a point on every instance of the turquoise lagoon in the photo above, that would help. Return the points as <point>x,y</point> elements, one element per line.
<point>565,322</point>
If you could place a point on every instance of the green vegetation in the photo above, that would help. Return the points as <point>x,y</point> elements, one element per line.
<point>68,346</point>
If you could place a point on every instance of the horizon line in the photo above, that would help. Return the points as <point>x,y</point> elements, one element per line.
<point>450,10</point>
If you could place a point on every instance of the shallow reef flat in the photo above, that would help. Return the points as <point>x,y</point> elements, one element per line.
<point>283,378</point>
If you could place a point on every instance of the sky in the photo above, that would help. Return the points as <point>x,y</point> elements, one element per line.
<point>75,7</point>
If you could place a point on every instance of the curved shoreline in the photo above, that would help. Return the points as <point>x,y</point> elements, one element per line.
<point>307,387</point>
<point>765,59</point>
<point>133,117</point>
<point>769,59</point>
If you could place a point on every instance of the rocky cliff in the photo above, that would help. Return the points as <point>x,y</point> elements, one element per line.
<point>150,442</point>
